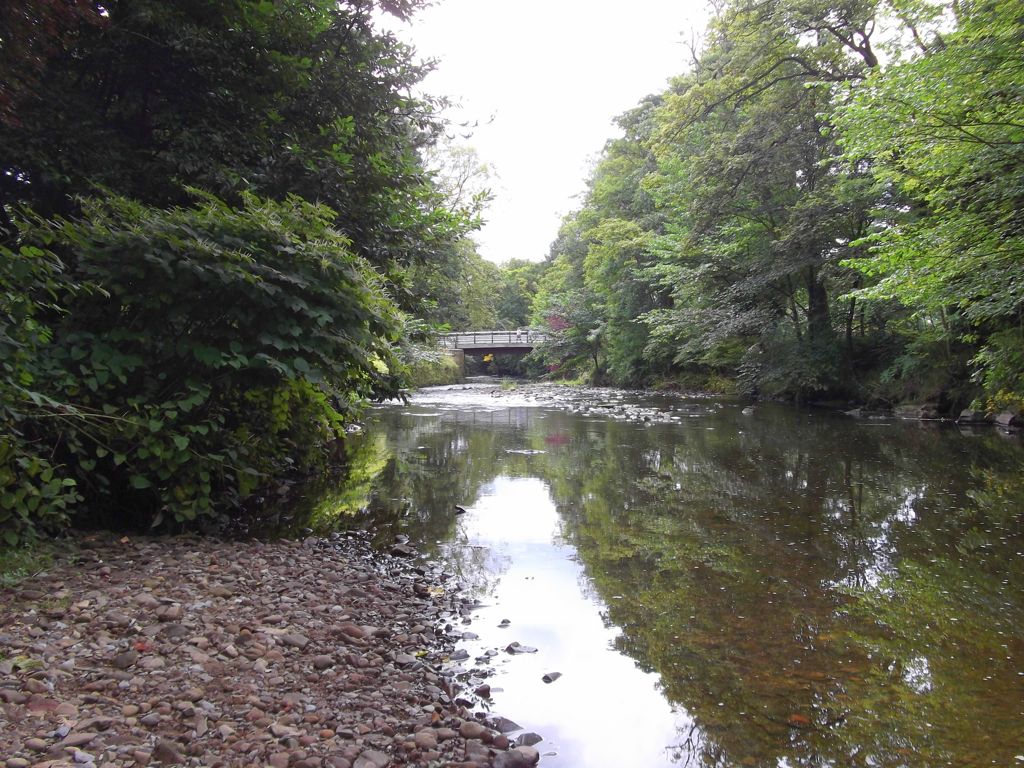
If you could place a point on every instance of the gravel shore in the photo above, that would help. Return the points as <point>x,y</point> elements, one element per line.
<point>190,651</point>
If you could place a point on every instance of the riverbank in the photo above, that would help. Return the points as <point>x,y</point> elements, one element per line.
<point>190,651</point>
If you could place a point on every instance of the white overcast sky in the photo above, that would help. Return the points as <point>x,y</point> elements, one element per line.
<point>545,78</point>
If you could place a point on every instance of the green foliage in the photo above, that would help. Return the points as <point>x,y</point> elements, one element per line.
<point>207,349</point>
<point>296,97</point>
<point>518,286</point>
<point>36,494</point>
<point>945,130</point>
<point>163,359</point>
<point>808,217</point>
<point>433,367</point>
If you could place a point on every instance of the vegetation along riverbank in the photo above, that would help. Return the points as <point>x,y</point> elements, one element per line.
<point>228,227</point>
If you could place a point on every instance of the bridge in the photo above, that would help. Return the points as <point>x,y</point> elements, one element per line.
<point>490,342</point>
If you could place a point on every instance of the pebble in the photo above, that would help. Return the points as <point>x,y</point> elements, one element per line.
<point>125,659</point>
<point>166,752</point>
<point>471,730</point>
<point>371,758</point>
<point>426,739</point>
<point>193,651</point>
<point>78,739</point>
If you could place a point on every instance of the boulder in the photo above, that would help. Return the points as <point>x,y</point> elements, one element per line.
<point>971,416</point>
<point>1009,419</point>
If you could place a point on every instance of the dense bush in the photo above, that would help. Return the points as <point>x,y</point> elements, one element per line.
<point>194,353</point>
<point>32,490</point>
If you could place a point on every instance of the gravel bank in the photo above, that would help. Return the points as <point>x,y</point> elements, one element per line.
<point>196,652</point>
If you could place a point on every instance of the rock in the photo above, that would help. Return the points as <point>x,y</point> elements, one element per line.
<point>1009,419</point>
<point>970,416</point>
<point>550,677</point>
<point>531,755</point>
<point>125,659</point>
<point>153,662</point>
<point>169,612</point>
<point>503,724</point>
<point>917,411</point>
<point>146,600</point>
<point>520,757</point>
<point>78,739</point>
<point>517,647</point>
<point>35,685</point>
<point>404,550</point>
<point>17,762</point>
<point>528,739</point>
<point>372,758</point>
<point>483,691</point>
<point>471,730</point>
<point>295,640</point>
<point>426,739</point>
<point>279,760</point>
<point>36,745</point>
<point>323,661</point>
<point>281,731</point>
<point>350,630</point>
<point>166,752</point>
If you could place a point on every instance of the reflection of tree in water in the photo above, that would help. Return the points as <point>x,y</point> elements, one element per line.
<point>817,593</point>
<point>737,557</point>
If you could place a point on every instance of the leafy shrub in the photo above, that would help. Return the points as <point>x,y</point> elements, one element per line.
<point>202,351</point>
<point>34,493</point>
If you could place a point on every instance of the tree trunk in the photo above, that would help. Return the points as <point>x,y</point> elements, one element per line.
<point>849,325</point>
<point>819,325</point>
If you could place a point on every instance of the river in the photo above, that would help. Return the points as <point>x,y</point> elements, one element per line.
<point>715,586</point>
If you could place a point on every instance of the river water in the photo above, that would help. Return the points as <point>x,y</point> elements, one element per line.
<point>775,587</point>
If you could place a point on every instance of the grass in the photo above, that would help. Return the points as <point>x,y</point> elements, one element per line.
<point>20,563</point>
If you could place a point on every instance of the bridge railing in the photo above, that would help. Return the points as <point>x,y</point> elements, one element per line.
<point>466,339</point>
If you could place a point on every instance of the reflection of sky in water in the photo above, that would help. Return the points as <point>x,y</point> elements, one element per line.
<point>603,711</point>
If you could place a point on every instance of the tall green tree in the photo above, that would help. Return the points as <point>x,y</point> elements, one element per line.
<point>944,130</point>
<point>272,98</point>
<point>762,214</point>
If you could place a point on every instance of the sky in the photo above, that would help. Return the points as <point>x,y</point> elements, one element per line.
<point>545,79</point>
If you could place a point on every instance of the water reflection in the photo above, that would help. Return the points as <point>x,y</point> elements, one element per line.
<point>778,589</point>
<point>544,601</point>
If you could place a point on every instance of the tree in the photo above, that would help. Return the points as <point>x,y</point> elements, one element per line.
<point>759,212</point>
<point>944,130</point>
<point>291,97</point>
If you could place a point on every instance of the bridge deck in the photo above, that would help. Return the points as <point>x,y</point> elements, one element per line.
<point>497,340</point>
